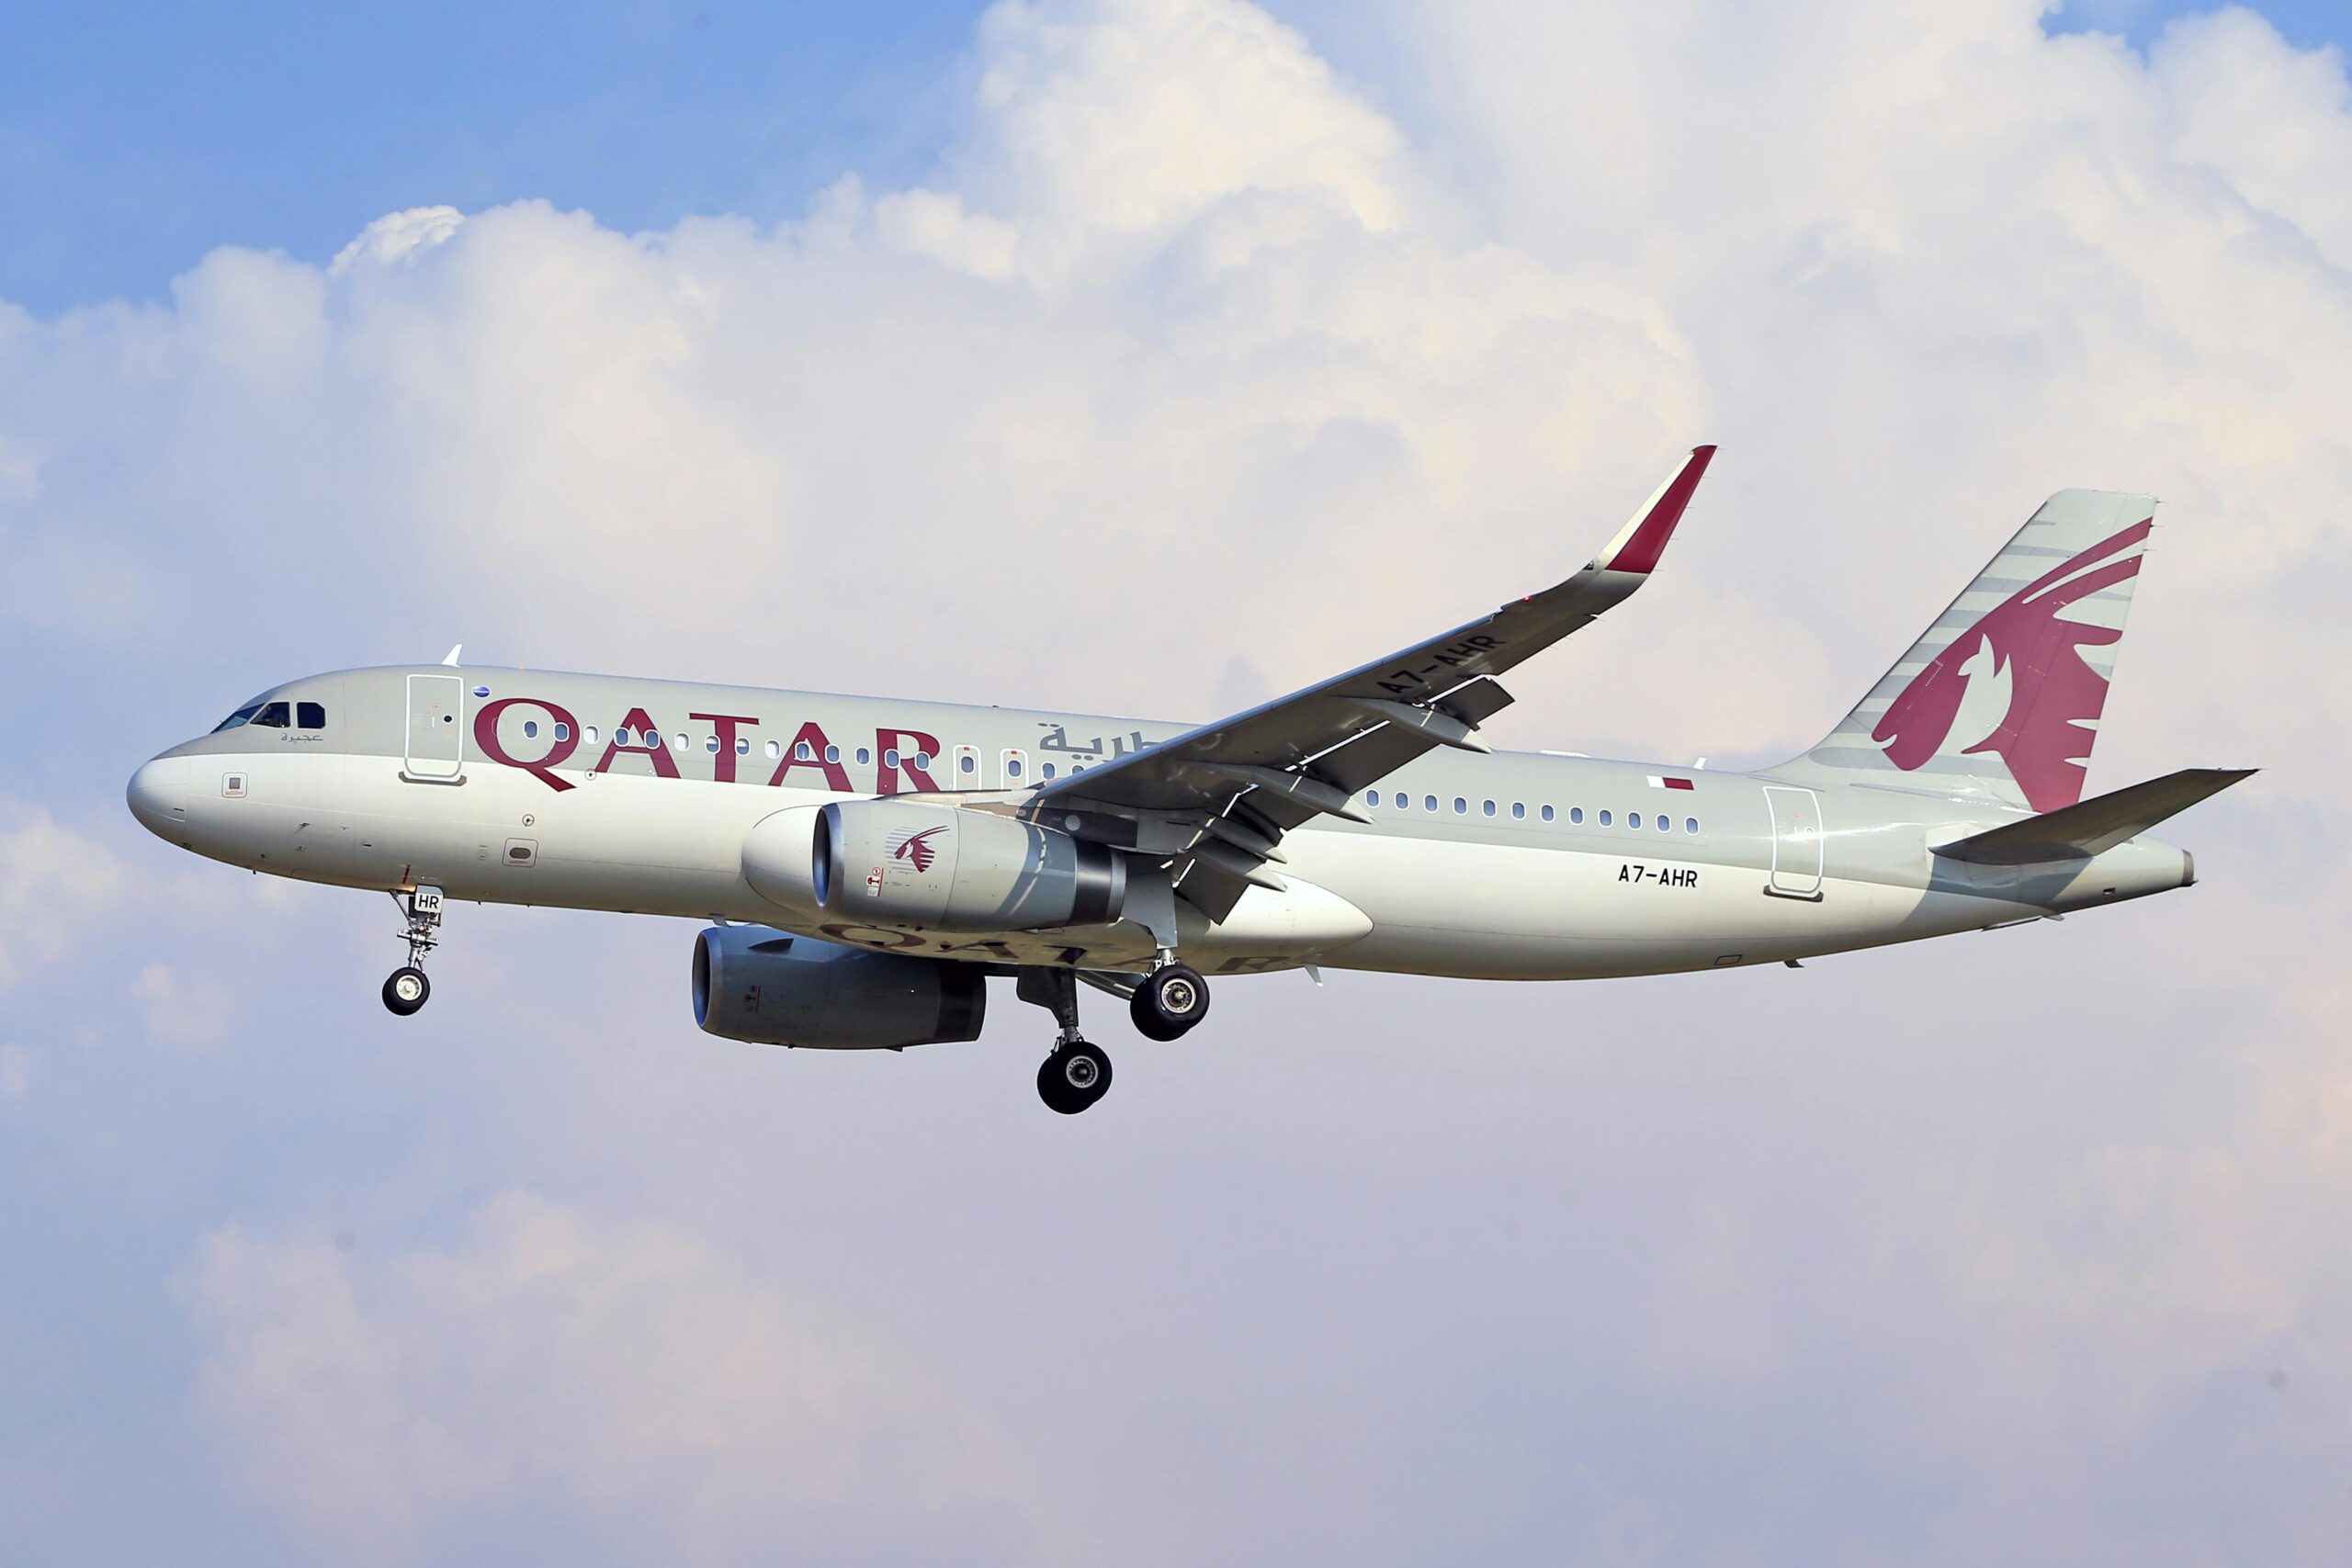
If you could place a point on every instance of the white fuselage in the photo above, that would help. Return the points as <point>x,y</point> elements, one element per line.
<point>1510,866</point>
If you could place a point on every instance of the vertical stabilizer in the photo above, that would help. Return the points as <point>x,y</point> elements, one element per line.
<point>2001,696</point>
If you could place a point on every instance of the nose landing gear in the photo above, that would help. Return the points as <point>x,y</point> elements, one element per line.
<point>407,990</point>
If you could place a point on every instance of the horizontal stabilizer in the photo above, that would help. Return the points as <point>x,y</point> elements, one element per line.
<point>2099,824</point>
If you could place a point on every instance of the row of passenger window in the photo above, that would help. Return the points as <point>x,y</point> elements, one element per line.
<point>968,764</point>
<point>1400,801</point>
<point>968,768</point>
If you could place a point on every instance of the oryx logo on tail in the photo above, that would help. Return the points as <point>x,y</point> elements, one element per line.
<point>917,848</point>
<point>2038,724</point>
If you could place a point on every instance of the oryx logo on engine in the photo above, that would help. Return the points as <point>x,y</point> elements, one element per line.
<point>916,848</point>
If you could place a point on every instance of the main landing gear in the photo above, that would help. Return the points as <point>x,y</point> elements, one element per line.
<point>1167,1002</point>
<point>407,990</point>
<point>1171,1000</point>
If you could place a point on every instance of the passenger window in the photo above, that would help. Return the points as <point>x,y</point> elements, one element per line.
<point>968,764</point>
<point>310,715</point>
<point>530,729</point>
<point>1013,767</point>
<point>776,750</point>
<point>1519,810</point>
<point>1490,808</point>
<point>890,758</point>
<point>1575,813</point>
<point>1604,820</point>
<point>1689,824</point>
<point>587,735</point>
<point>1461,806</point>
<point>923,761</point>
<point>1633,820</point>
<point>743,746</point>
<point>832,753</point>
<point>710,744</point>
<point>1429,802</point>
<point>685,741</point>
<point>1547,814</point>
<point>1371,798</point>
<point>272,715</point>
<point>1665,823</point>
<point>864,756</point>
<point>562,730</point>
<point>1049,770</point>
<point>803,753</point>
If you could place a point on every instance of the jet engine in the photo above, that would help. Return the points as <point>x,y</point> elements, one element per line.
<point>945,868</point>
<point>773,988</point>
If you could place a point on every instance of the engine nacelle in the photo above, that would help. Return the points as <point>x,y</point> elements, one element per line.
<point>943,868</point>
<point>773,988</point>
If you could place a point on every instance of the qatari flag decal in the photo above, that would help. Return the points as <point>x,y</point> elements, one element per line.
<point>1669,782</point>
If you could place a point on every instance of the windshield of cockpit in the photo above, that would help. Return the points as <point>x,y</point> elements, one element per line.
<point>271,715</point>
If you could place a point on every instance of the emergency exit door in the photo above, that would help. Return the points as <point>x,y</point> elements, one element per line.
<point>1796,842</point>
<point>437,729</point>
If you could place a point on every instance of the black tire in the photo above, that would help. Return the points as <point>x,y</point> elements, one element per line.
<point>406,990</point>
<point>1073,1078</point>
<point>1147,1022</point>
<point>1169,1001</point>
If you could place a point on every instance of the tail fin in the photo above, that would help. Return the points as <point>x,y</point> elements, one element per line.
<point>2000,699</point>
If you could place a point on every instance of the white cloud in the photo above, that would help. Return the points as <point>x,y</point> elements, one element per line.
<point>623,1374</point>
<point>398,237</point>
<point>54,884</point>
<point>1188,372</point>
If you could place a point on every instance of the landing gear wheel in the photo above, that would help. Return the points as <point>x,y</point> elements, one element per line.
<point>1172,999</point>
<point>407,990</point>
<point>1073,1078</point>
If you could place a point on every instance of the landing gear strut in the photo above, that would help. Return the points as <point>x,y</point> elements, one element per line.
<point>408,989</point>
<point>1168,1002</point>
<point>1077,1074</point>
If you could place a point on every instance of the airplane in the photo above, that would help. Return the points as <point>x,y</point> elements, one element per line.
<point>867,865</point>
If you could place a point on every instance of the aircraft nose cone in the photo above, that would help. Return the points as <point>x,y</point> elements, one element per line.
<point>158,795</point>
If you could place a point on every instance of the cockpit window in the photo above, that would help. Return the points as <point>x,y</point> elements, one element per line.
<point>272,715</point>
<point>310,715</point>
<point>242,716</point>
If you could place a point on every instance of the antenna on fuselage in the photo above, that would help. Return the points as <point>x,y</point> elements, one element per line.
<point>452,660</point>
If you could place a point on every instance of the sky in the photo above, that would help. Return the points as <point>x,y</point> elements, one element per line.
<point>1154,356</point>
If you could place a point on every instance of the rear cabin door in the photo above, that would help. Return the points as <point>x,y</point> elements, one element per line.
<point>1796,841</point>
<point>436,729</point>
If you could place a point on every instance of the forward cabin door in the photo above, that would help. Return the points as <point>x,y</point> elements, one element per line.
<point>1796,841</point>
<point>437,729</point>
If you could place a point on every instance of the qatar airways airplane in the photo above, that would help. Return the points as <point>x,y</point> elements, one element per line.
<point>870,863</point>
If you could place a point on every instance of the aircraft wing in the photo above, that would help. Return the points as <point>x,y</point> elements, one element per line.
<point>1235,787</point>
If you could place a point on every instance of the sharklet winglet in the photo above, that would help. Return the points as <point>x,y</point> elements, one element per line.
<point>1638,544</point>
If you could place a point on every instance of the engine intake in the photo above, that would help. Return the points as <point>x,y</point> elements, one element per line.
<point>772,988</point>
<point>945,868</point>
